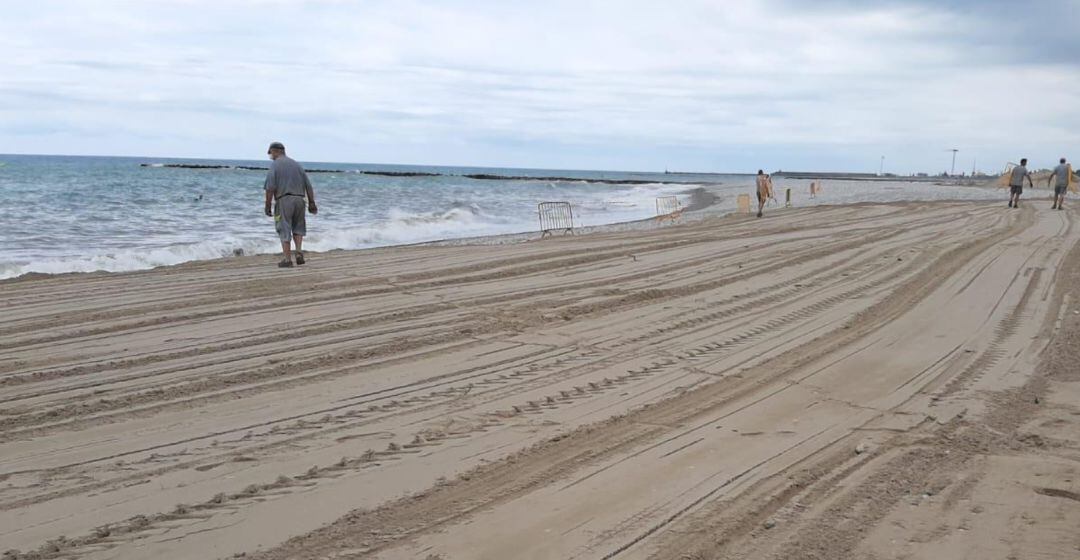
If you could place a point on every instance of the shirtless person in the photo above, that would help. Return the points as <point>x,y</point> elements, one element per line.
<point>764,190</point>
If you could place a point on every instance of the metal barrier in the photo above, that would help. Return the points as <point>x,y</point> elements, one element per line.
<point>555,216</point>
<point>668,208</point>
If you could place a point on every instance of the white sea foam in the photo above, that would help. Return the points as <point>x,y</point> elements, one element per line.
<point>141,258</point>
<point>399,227</point>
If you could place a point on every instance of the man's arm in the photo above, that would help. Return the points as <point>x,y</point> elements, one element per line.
<point>270,187</point>
<point>310,195</point>
<point>1030,182</point>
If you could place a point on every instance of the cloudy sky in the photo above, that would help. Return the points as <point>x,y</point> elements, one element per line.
<point>641,85</point>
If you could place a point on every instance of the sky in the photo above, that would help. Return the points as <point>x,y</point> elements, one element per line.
<point>723,86</point>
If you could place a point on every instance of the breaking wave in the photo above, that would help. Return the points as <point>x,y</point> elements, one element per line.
<point>399,227</point>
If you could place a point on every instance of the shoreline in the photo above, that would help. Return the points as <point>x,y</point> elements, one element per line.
<point>700,199</point>
<point>401,212</point>
<point>704,204</point>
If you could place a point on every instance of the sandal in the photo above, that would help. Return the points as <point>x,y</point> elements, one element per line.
<point>285,263</point>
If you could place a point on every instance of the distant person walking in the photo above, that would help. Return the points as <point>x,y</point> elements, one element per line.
<point>1016,183</point>
<point>764,189</point>
<point>1063,173</point>
<point>286,185</point>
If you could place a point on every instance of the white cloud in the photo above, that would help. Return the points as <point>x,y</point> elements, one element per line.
<point>597,84</point>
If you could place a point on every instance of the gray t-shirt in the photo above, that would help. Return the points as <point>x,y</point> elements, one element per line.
<point>1061,174</point>
<point>286,177</point>
<point>1017,177</point>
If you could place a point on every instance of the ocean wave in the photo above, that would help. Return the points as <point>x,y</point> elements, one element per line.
<point>399,227</point>
<point>470,213</point>
<point>460,212</point>
<point>142,258</point>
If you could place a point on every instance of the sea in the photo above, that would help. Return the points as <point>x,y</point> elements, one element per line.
<point>84,214</point>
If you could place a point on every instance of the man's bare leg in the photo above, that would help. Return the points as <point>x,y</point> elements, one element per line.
<point>298,240</point>
<point>286,248</point>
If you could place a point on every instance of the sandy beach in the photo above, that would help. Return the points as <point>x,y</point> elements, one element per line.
<point>861,381</point>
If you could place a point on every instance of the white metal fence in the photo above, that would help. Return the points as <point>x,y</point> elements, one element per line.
<point>555,216</point>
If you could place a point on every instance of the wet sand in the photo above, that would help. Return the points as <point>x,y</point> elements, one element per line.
<point>862,381</point>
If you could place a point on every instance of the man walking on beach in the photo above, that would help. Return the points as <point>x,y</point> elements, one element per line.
<point>763,188</point>
<point>1063,172</point>
<point>287,183</point>
<point>1016,183</point>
